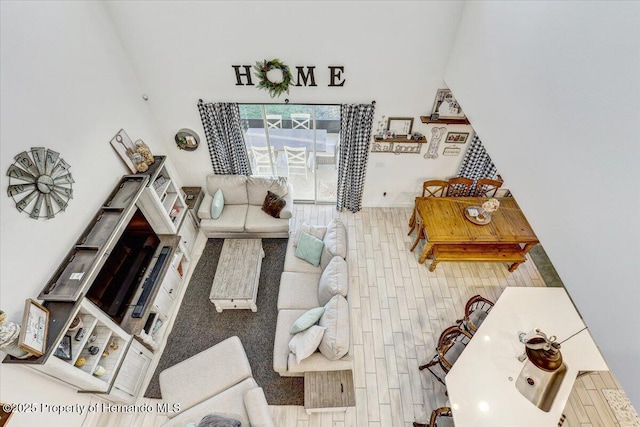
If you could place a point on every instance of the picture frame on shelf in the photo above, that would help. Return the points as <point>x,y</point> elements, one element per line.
<point>400,126</point>
<point>35,325</point>
<point>445,106</point>
<point>457,137</point>
<point>125,148</point>
<point>6,411</point>
<point>64,349</point>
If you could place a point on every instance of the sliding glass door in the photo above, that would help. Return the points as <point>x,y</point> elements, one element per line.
<point>296,141</point>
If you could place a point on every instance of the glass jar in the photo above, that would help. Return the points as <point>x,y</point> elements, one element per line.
<point>145,151</point>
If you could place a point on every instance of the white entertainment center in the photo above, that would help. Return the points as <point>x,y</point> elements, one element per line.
<point>121,281</point>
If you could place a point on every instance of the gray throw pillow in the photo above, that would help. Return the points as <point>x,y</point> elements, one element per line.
<point>334,280</point>
<point>335,320</point>
<point>214,420</point>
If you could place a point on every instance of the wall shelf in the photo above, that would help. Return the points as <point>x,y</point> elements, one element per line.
<point>414,141</point>
<point>427,119</point>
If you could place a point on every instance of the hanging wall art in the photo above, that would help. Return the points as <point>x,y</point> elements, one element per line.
<point>436,135</point>
<point>40,183</point>
<point>274,76</point>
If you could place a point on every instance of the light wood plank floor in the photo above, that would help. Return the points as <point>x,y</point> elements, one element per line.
<point>398,309</point>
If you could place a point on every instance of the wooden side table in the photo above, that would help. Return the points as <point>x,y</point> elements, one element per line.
<point>329,391</point>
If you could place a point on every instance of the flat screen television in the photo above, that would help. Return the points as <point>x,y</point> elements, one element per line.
<point>122,273</point>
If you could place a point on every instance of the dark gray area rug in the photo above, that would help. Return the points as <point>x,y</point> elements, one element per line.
<point>199,326</point>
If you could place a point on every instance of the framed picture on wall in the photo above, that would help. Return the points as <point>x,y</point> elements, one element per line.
<point>457,137</point>
<point>445,106</point>
<point>400,126</point>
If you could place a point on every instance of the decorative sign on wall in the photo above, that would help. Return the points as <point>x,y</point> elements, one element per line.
<point>451,151</point>
<point>396,147</point>
<point>436,135</point>
<point>457,137</point>
<point>44,177</point>
<point>276,77</point>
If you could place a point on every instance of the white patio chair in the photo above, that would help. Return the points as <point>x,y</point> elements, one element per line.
<point>328,157</point>
<point>300,120</point>
<point>262,160</point>
<point>274,121</point>
<point>296,161</point>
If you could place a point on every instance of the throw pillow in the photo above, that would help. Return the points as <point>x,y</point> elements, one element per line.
<point>214,420</point>
<point>335,341</point>
<point>273,204</point>
<point>335,241</point>
<point>309,248</point>
<point>334,280</point>
<point>307,320</point>
<point>315,230</point>
<point>257,187</point>
<point>305,343</point>
<point>217,204</point>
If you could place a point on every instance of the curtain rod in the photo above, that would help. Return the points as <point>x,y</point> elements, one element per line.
<point>286,102</point>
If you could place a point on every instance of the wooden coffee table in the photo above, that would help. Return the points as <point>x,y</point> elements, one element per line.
<point>235,285</point>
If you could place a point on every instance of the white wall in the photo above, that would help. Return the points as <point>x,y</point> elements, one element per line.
<point>393,53</point>
<point>65,85</point>
<point>553,90</point>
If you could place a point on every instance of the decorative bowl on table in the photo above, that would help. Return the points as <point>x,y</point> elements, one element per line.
<point>477,215</point>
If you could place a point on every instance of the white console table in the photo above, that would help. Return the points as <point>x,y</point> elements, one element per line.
<point>482,383</point>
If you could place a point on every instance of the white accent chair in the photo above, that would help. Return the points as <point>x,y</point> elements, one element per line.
<point>274,121</point>
<point>300,120</point>
<point>296,160</point>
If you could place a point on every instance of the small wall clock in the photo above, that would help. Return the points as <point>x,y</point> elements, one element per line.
<point>40,183</point>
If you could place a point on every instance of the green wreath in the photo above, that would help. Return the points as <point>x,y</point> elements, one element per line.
<point>275,89</point>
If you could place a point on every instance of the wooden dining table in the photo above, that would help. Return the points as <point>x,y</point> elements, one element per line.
<point>444,222</point>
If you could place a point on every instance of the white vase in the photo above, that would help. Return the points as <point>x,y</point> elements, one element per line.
<point>9,333</point>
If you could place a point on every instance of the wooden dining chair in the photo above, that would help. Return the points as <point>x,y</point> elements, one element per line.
<point>487,187</point>
<point>451,343</point>
<point>431,188</point>
<point>459,187</point>
<point>440,417</point>
<point>475,311</point>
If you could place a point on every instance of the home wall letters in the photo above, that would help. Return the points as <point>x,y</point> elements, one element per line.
<point>305,75</point>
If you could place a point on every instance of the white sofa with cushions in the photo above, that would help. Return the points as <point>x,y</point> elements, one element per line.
<point>242,215</point>
<point>304,287</point>
<point>217,381</point>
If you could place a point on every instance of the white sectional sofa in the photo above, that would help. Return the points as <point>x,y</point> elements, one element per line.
<point>242,215</point>
<point>303,287</point>
<point>216,381</point>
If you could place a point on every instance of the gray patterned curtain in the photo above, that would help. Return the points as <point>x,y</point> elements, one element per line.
<point>228,152</point>
<point>355,137</point>
<point>477,164</point>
